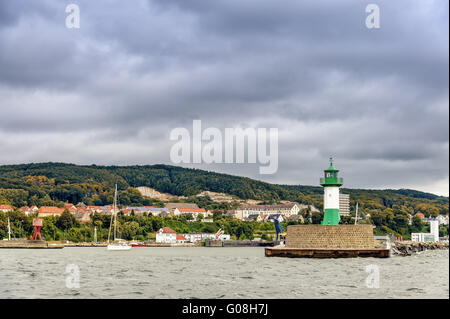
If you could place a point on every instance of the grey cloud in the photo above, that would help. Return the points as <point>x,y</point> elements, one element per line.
<point>133,71</point>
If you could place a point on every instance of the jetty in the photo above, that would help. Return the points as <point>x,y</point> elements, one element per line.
<point>281,251</point>
<point>30,244</point>
<point>329,241</point>
<point>239,243</point>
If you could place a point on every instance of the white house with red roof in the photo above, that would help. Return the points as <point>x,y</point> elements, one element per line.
<point>6,208</point>
<point>166,235</point>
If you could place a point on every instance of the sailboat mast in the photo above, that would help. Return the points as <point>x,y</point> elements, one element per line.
<point>113,216</point>
<point>9,230</point>
<point>115,212</point>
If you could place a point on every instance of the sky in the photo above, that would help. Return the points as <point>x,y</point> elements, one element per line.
<point>111,91</point>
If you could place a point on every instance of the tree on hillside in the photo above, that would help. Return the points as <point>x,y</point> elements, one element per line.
<point>129,230</point>
<point>66,220</point>
<point>417,224</point>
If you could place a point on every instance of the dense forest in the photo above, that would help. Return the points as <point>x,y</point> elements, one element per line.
<point>53,183</point>
<point>57,183</point>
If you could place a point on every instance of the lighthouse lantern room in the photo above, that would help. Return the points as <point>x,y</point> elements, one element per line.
<point>331,183</point>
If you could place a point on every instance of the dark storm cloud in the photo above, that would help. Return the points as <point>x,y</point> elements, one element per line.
<point>110,91</point>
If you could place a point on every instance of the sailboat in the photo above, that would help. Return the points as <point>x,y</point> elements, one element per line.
<point>118,244</point>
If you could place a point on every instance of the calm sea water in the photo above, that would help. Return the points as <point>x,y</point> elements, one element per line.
<point>216,273</point>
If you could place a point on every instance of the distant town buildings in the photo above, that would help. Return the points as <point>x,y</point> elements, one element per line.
<point>422,237</point>
<point>28,210</point>
<point>245,211</point>
<point>82,217</point>
<point>344,204</point>
<point>432,236</point>
<point>194,212</point>
<point>83,212</point>
<point>172,206</point>
<point>167,235</point>
<point>434,229</point>
<point>259,213</point>
<point>442,219</point>
<point>140,211</point>
<point>6,208</point>
<point>46,211</point>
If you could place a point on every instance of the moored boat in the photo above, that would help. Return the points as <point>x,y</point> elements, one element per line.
<point>118,244</point>
<point>138,245</point>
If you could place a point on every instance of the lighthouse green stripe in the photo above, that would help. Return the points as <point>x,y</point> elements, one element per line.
<point>331,217</point>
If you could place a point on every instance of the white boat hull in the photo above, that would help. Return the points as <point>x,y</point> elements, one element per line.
<point>118,247</point>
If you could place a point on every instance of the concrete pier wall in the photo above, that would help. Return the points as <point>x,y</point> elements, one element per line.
<point>330,236</point>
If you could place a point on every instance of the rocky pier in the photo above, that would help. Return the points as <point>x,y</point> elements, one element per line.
<point>407,248</point>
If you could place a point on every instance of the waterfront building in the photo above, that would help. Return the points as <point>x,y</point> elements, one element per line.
<point>422,237</point>
<point>331,183</point>
<point>434,228</point>
<point>195,237</point>
<point>180,239</point>
<point>166,235</point>
<point>344,204</point>
<point>433,235</point>
<point>199,237</point>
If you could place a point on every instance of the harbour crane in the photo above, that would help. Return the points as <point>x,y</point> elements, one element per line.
<point>281,235</point>
<point>219,233</point>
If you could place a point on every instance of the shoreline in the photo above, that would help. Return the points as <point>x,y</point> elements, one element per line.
<point>408,248</point>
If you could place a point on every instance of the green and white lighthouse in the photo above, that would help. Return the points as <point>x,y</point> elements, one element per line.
<point>331,183</point>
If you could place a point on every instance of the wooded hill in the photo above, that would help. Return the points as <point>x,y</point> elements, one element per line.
<point>56,183</point>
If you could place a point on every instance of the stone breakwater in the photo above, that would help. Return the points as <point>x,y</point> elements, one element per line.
<point>30,244</point>
<point>407,248</point>
<point>330,237</point>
